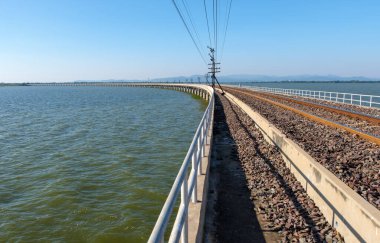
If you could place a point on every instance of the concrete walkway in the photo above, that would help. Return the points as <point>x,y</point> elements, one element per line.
<point>230,215</point>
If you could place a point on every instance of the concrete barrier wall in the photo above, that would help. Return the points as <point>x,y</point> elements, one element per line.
<point>354,218</point>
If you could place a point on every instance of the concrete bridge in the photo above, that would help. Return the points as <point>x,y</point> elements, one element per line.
<point>301,198</point>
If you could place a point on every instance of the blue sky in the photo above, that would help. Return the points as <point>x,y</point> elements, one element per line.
<point>47,40</point>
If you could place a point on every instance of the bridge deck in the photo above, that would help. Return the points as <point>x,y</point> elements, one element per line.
<point>253,196</point>
<point>230,215</point>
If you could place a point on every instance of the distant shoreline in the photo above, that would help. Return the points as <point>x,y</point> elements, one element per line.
<point>228,82</point>
<point>14,84</point>
<point>299,82</point>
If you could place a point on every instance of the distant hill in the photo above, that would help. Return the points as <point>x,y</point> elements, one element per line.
<point>267,78</point>
<point>242,78</point>
<point>246,78</point>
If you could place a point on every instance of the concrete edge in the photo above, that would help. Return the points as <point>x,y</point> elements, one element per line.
<point>355,218</point>
<point>197,211</point>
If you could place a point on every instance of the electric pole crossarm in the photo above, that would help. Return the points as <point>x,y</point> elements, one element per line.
<point>214,69</point>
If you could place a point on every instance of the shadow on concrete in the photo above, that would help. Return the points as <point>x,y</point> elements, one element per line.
<point>230,215</point>
<point>284,185</point>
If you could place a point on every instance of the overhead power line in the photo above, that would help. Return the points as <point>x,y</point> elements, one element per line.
<point>215,10</point>
<point>217,27</point>
<point>188,30</point>
<point>214,20</point>
<point>226,29</point>
<point>190,17</point>
<point>208,26</point>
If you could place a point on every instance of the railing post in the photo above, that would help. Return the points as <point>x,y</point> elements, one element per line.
<point>204,136</point>
<point>203,147</point>
<point>184,199</point>
<point>370,101</point>
<point>360,100</point>
<point>206,124</point>
<point>199,145</point>
<point>194,195</point>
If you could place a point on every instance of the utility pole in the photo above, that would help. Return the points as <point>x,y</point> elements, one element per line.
<point>214,69</point>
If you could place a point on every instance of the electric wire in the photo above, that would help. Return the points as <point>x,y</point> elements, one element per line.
<point>226,29</point>
<point>218,46</point>
<point>188,12</point>
<point>188,30</point>
<point>208,26</point>
<point>217,27</point>
<point>213,17</point>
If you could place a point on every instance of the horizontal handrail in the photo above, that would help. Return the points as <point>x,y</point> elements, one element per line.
<point>363,100</point>
<point>185,185</point>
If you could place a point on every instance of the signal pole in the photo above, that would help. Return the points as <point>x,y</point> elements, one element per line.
<point>214,69</point>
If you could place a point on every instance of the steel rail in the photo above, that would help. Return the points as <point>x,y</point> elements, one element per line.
<point>361,116</point>
<point>182,185</point>
<point>321,120</point>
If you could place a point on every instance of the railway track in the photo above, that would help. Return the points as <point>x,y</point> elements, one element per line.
<point>370,111</point>
<point>353,160</point>
<point>365,117</point>
<point>280,203</point>
<point>349,125</point>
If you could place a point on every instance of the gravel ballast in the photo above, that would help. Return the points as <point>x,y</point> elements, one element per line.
<point>279,199</point>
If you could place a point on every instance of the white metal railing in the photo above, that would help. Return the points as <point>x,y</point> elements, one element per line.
<point>185,184</point>
<point>347,98</point>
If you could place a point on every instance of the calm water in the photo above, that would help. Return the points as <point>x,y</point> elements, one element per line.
<point>89,164</point>
<point>356,88</point>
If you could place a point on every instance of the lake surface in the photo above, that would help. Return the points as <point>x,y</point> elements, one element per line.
<point>89,164</point>
<point>356,88</point>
